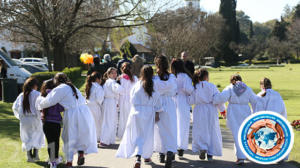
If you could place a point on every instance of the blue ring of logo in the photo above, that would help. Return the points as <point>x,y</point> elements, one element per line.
<point>284,148</point>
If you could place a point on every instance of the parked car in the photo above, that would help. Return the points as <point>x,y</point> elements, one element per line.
<point>13,70</point>
<point>17,61</point>
<point>31,68</point>
<point>33,59</point>
<point>42,66</point>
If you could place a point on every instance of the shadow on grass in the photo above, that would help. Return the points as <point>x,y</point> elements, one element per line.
<point>295,163</point>
<point>8,123</point>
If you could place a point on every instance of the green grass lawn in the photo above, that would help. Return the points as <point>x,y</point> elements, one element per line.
<point>286,80</point>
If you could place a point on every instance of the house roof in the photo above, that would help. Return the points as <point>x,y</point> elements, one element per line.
<point>141,49</point>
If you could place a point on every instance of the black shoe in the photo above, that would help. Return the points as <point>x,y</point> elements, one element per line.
<point>180,153</point>
<point>162,158</point>
<point>81,159</point>
<point>169,160</point>
<point>202,154</point>
<point>209,157</point>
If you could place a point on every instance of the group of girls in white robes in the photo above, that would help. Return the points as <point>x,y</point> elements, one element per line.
<point>149,115</point>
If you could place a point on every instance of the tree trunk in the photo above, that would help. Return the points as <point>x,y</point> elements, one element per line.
<point>59,57</point>
<point>47,53</point>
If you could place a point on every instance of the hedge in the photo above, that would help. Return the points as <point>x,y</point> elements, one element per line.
<point>72,73</point>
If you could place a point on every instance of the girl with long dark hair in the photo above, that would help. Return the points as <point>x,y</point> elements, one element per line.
<point>127,81</point>
<point>112,90</point>
<point>184,89</point>
<point>145,107</point>
<point>166,129</point>
<point>79,131</point>
<point>207,138</point>
<point>238,95</point>
<point>94,97</point>
<point>31,129</point>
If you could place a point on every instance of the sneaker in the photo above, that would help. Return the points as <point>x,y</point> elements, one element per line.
<point>202,154</point>
<point>169,160</point>
<point>180,153</point>
<point>162,158</point>
<point>69,165</point>
<point>80,160</point>
<point>148,161</point>
<point>240,162</point>
<point>59,160</point>
<point>137,164</point>
<point>53,165</point>
<point>209,157</point>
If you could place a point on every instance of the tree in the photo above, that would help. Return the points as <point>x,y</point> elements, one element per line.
<point>278,50</point>
<point>294,36</point>
<point>230,33</point>
<point>280,30</point>
<point>53,24</point>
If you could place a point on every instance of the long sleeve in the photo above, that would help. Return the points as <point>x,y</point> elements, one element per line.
<point>221,106</point>
<point>253,100</point>
<point>99,95</point>
<point>117,88</point>
<point>17,106</point>
<point>158,105</point>
<point>222,97</point>
<point>188,85</point>
<point>192,98</point>
<point>54,97</point>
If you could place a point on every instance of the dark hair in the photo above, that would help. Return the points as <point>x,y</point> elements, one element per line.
<point>61,78</point>
<point>96,60</point>
<point>200,75</point>
<point>48,84</point>
<point>105,75</point>
<point>162,65</point>
<point>147,79</point>
<point>177,66</point>
<point>266,83</point>
<point>126,68</point>
<point>234,78</point>
<point>89,80</point>
<point>29,84</point>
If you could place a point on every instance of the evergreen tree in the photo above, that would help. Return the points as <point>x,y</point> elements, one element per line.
<point>231,33</point>
<point>251,32</point>
<point>280,29</point>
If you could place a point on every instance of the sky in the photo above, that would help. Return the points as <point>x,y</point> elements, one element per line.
<point>258,10</point>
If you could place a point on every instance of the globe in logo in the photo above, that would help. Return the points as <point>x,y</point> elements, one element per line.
<point>266,137</point>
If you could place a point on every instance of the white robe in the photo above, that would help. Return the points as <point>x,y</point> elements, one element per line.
<point>124,105</point>
<point>184,89</point>
<point>110,115</point>
<point>271,102</point>
<point>237,111</point>
<point>31,128</point>
<point>206,128</point>
<point>95,105</point>
<point>79,131</point>
<point>139,133</point>
<point>165,131</point>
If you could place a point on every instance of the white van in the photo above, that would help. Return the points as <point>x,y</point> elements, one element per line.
<point>13,70</point>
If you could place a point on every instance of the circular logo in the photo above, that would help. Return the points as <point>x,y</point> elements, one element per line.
<point>266,137</point>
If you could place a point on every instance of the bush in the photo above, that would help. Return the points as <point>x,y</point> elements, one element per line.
<point>72,73</point>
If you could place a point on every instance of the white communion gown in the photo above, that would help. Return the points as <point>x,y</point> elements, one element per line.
<point>79,130</point>
<point>31,127</point>
<point>112,90</point>
<point>206,128</point>
<point>138,138</point>
<point>95,105</point>
<point>237,111</point>
<point>124,104</point>
<point>165,131</point>
<point>184,89</point>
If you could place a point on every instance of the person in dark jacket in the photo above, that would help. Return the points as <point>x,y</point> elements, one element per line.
<point>3,69</point>
<point>189,65</point>
<point>97,67</point>
<point>120,62</point>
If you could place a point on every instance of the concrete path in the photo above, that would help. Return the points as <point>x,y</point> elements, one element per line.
<point>106,159</point>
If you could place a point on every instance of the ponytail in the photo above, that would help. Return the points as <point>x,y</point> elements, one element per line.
<point>61,78</point>
<point>162,65</point>
<point>147,81</point>
<point>126,68</point>
<point>89,80</point>
<point>28,86</point>
<point>200,75</point>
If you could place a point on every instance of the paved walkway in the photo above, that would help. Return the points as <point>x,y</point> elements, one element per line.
<point>106,159</point>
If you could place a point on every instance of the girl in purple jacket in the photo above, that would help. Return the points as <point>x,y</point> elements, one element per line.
<point>51,118</point>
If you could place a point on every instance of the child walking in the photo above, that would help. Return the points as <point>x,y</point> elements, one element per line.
<point>94,98</point>
<point>139,134</point>
<point>165,132</point>
<point>184,89</point>
<point>112,90</point>
<point>79,131</point>
<point>238,95</point>
<point>127,81</point>
<point>31,129</point>
<point>206,133</point>
<point>52,119</point>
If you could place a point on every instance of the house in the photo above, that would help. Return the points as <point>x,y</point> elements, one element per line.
<point>144,52</point>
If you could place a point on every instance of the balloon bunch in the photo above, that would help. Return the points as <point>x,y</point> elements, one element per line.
<point>86,58</point>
